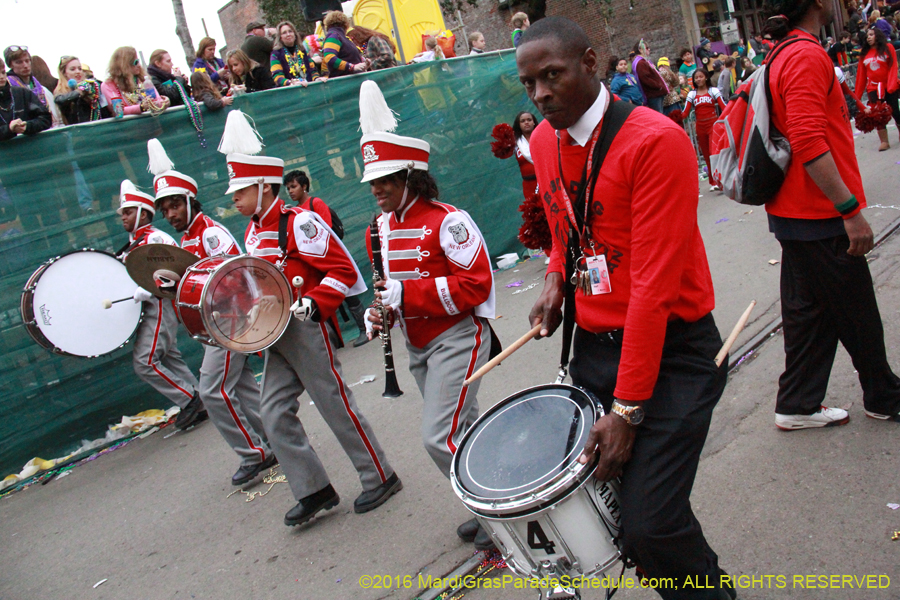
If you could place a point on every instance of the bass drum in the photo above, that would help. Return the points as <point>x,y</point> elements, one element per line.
<point>517,470</point>
<point>63,310</point>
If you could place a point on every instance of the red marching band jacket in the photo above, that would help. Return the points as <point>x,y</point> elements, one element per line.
<point>441,257</point>
<point>204,237</point>
<point>148,234</point>
<point>314,253</point>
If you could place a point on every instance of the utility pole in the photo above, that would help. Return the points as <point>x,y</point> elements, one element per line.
<point>183,33</point>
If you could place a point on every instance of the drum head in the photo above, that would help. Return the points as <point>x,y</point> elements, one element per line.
<point>159,267</point>
<point>66,301</point>
<point>527,443</point>
<point>245,304</point>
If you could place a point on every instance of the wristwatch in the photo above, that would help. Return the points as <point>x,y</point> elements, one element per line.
<point>633,415</point>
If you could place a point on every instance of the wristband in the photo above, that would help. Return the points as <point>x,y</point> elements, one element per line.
<point>852,213</point>
<point>848,207</point>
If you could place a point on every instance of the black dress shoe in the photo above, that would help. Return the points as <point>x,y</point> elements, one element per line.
<point>308,507</point>
<point>468,530</point>
<point>249,472</point>
<point>361,340</point>
<point>191,414</point>
<point>483,540</point>
<point>372,499</point>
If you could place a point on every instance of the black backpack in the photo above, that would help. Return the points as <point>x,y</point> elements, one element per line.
<point>336,225</point>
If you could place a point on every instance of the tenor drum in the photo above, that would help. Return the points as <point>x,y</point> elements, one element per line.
<point>237,302</point>
<point>517,470</point>
<point>63,310</point>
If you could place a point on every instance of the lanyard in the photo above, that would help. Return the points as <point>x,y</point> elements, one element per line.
<point>585,185</point>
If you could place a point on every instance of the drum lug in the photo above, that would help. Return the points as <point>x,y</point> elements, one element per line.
<point>190,306</point>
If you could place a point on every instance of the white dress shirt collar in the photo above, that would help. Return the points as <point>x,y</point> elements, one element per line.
<point>582,130</point>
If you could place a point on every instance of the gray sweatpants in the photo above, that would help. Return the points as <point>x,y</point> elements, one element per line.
<point>231,396</point>
<point>304,359</point>
<point>156,357</point>
<point>440,369</point>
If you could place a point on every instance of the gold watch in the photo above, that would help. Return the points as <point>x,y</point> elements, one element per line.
<point>633,415</point>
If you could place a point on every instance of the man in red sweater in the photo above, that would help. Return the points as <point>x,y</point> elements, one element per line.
<point>645,343</point>
<point>826,288</point>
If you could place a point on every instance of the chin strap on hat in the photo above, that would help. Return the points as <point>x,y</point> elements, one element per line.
<point>409,170</point>
<point>259,195</point>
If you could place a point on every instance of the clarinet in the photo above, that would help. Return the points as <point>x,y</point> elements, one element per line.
<point>391,387</point>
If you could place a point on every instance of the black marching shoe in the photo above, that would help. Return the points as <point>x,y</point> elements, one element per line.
<point>468,530</point>
<point>483,540</point>
<point>359,312</point>
<point>362,339</point>
<point>246,473</point>
<point>308,507</point>
<point>191,414</point>
<point>372,499</point>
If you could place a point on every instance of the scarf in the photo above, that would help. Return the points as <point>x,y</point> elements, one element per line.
<point>37,88</point>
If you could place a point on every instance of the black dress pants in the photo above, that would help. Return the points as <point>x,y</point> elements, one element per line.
<point>659,530</point>
<point>827,296</point>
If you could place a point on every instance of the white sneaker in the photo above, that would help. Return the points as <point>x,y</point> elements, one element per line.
<point>881,417</point>
<point>825,417</point>
<point>715,188</point>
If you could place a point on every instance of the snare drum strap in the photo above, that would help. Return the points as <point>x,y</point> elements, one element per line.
<point>615,117</point>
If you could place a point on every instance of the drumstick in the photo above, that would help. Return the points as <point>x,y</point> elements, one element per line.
<point>297,281</point>
<point>734,333</point>
<point>497,359</point>
<point>109,303</point>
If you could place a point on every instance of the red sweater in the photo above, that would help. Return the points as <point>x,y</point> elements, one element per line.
<point>645,221</point>
<point>808,107</point>
<point>877,73</point>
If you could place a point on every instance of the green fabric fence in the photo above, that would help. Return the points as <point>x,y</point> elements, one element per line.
<point>60,189</point>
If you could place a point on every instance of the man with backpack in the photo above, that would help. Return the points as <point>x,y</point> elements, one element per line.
<point>826,288</point>
<point>645,343</point>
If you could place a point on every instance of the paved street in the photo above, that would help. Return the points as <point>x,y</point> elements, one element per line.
<point>153,520</point>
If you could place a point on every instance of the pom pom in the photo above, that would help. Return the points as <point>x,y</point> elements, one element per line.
<point>126,187</point>
<point>675,115</point>
<point>879,115</point>
<point>505,143</point>
<point>72,84</point>
<point>535,231</point>
<point>240,137</point>
<point>375,116</point>
<point>159,160</point>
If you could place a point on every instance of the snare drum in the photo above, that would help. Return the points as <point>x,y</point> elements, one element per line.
<point>237,302</point>
<point>517,470</point>
<point>62,304</point>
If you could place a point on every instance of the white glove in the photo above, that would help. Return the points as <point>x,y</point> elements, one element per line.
<point>370,325</point>
<point>303,308</point>
<point>142,295</point>
<point>392,294</point>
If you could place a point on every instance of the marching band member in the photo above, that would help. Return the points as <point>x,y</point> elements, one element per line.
<point>228,388</point>
<point>318,263</point>
<point>438,283</point>
<point>156,358</point>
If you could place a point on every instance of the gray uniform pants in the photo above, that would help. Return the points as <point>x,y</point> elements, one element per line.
<point>440,369</point>
<point>304,359</point>
<point>231,396</point>
<point>156,357</point>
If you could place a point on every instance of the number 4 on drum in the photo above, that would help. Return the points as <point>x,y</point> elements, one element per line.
<point>538,540</point>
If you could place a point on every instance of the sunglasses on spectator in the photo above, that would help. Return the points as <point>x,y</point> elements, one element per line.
<point>135,62</point>
<point>17,49</point>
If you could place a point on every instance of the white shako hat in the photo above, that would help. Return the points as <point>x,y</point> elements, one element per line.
<point>167,181</point>
<point>130,197</point>
<point>383,152</point>
<point>241,144</point>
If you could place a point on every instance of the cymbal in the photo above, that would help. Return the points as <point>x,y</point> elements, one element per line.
<point>158,268</point>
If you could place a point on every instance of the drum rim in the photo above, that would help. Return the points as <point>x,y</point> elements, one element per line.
<point>204,336</point>
<point>228,345</point>
<point>542,496</point>
<point>31,325</point>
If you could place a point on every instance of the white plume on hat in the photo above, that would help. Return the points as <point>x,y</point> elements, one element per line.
<point>375,116</point>
<point>159,160</point>
<point>240,137</point>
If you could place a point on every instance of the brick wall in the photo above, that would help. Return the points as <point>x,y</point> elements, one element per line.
<point>488,18</point>
<point>234,18</point>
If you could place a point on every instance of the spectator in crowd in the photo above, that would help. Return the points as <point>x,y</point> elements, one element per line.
<point>289,63</point>
<point>258,45</point>
<point>717,67</point>
<point>876,76</point>
<point>855,21</point>
<point>625,84</point>
<point>746,70</point>
<point>672,100</point>
<point>21,111</point>
<point>684,86</point>
<point>313,46</point>
<point>705,54</point>
<point>650,82</point>
<point>707,103</point>
<point>826,286</point>
<point>40,70</point>
<point>248,74</point>
<point>876,20</point>
<point>520,23</point>
<point>207,62</point>
<point>839,52</point>
<point>126,75</point>
<point>727,80</point>
<point>375,46</point>
<point>342,57</point>
<point>688,66</point>
<point>204,90</point>
<point>20,75</point>
<point>167,78</point>
<point>476,43</point>
<point>380,50</point>
<point>432,51</point>
<point>77,96</point>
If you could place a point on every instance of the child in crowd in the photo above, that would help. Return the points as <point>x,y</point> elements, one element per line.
<point>205,91</point>
<point>476,42</point>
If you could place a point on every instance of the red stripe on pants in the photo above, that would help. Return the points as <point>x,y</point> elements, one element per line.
<point>454,425</point>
